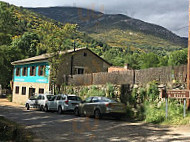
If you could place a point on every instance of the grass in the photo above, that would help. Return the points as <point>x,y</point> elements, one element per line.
<point>157,115</point>
<point>11,131</point>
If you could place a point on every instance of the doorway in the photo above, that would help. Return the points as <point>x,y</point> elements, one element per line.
<point>31,92</point>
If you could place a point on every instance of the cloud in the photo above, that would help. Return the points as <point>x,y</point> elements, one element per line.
<point>172,14</point>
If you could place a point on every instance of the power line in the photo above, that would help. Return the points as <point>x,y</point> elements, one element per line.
<point>181,28</point>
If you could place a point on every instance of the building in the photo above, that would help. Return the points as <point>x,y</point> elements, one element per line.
<point>32,75</point>
<point>119,69</point>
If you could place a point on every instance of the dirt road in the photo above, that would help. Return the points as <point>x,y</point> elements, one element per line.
<point>53,127</point>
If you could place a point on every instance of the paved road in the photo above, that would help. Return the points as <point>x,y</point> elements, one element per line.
<point>53,127</point>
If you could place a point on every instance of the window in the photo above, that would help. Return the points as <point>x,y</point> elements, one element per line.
<point>24,71</point>
<point>17,89</point>
<point>39,97</point>
<point>95,99</point>
<point>32,71</point>
<point>58,98</point>
<point>23,90</point>
<point>88,100</point>
<point>17,71</point>
<point>74,98</point>
<point>79,70</point>
<point>41,91</point>
<point>41,70</point>
<point>85,54</point>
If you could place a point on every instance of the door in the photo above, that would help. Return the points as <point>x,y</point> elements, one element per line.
<point>86,105</point>
<point>52,103</point>
<point>31,92</point>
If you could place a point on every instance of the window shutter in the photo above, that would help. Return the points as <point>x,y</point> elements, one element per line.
<point>31,71</point>
<point>39,68</point>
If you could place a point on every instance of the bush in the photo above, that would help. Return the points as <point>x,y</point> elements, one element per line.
<point>152,91</point>
<point>95,91</point>
<point>157,114</point>
<point>10,131</point>
<point>110,90</point>
<point>9,97</point>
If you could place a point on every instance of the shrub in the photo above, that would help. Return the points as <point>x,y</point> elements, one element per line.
<point>10,131</point>
<point>110,90</point>
<point>9,97</point>
<point>95,91</point>
<point>152,91</point>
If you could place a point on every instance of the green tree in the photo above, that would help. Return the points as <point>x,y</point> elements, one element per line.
<point>178,58</point>
<point>149,60</point>
<point>27,44</point>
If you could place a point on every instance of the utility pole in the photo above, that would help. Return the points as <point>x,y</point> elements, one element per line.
<point>188,66</point>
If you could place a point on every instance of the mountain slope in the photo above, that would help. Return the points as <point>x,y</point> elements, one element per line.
<point>98,25</point>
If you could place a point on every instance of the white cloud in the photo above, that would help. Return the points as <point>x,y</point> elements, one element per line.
<point>172,14</point>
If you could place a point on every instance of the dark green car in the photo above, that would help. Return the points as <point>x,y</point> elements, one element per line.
<point>100,106</point>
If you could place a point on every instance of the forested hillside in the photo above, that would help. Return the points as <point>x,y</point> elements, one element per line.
<point>24,34</point>
<point>117,30</point>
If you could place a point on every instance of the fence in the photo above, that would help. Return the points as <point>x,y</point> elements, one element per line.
<point>163,75</point>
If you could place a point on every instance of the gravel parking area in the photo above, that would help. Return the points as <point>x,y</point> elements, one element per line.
<point>53,127</point>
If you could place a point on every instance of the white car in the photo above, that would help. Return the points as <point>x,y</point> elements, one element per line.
<point>38,101</point>
<point>42,100</point>
<point>61,103</point>
<point>32,102</point>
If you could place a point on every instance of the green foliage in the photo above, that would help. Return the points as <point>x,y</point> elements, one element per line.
<point>26,45</point>
<point>10,131</point>
<point>153,113</point>
<point>9,97</point>
<point>95,91</point>
<point>110,90</point>
<point>152,91</point>
<point>149,60</point>
<point>156,113</point>
<point>83,92</point>
<point>178,58</point>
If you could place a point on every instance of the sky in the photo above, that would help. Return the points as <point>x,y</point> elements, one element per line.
<point>171,14</point>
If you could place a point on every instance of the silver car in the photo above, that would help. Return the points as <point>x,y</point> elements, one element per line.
<point>38,101</point>
<point>61,103</point>
<point>99,106</point>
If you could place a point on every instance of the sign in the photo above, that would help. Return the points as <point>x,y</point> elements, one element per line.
<point>178,94</point>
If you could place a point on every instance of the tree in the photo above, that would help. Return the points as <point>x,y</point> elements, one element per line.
<point>133,60</point>
<point>27,44</point>
<point>149,60</point>
<point>178,58</point>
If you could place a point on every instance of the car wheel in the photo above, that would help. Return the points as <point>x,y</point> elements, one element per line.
<point>97,114</point>
<point>76,111</point>
<point>60,111</point>
<point>27,107</point>
<point>46,108</point>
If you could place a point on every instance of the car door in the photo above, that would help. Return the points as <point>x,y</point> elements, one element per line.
<point>93,105</point>
<point>51,103</point>
<point>86,106</point>
<point>57,102</point>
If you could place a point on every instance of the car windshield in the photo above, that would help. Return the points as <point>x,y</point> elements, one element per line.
<point>49,97</point>
<point>104,99</point>
<point>74,98</point>
<point>33,97</point>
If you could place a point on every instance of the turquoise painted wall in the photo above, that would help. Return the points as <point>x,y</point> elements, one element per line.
<point>33,79</point>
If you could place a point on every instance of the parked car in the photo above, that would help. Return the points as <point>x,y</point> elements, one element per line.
<point>61,103</point>
<point>32,102</point>
<point>42,100</point>
<point>99,106</point>
<point>38,101</point>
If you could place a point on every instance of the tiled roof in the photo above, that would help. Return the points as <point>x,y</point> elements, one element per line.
<point>42,57</point>
<point>45,57</point>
